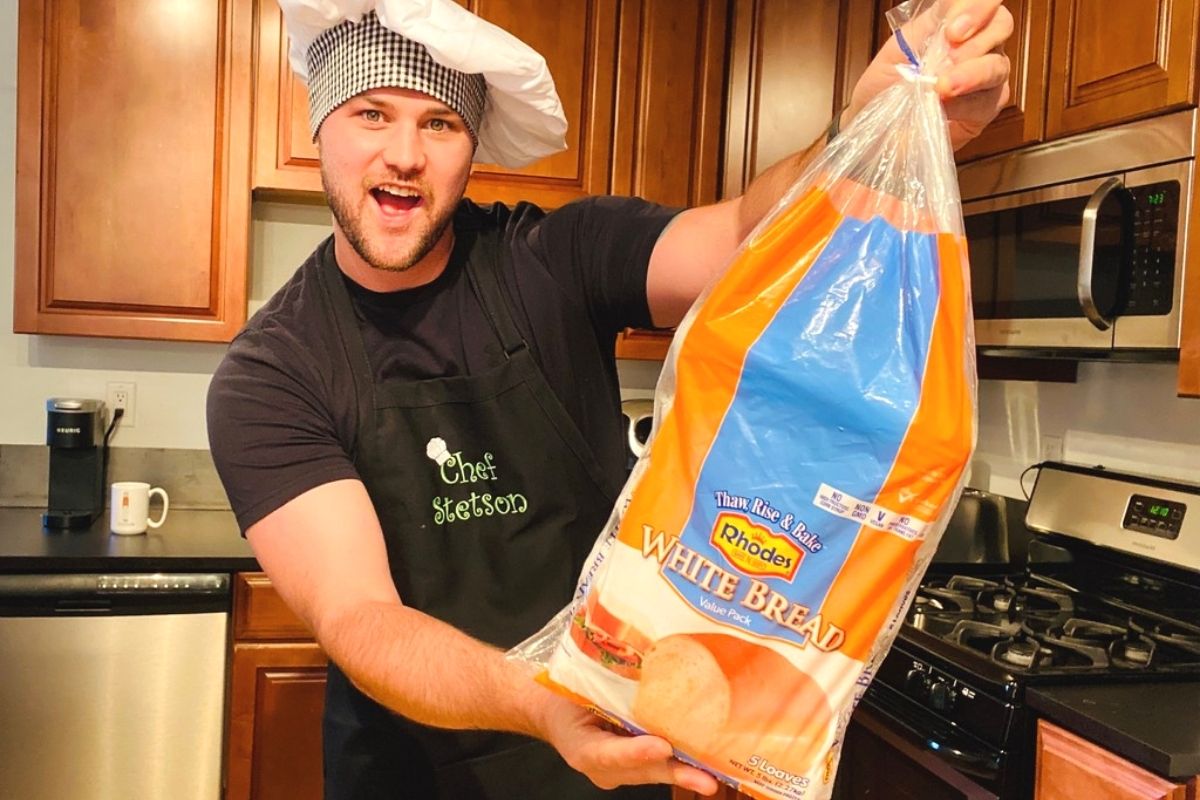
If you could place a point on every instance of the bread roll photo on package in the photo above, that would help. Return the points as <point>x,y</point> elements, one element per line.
<point>812,426</point>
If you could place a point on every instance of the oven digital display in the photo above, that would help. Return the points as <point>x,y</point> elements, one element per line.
<point>1155,516</point>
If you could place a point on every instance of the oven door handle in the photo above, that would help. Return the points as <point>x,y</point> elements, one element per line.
<point>952,747</point>
<point>1087,253</point>
<point>970,762</point>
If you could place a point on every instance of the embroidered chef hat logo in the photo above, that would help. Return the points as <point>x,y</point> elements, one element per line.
<point>436,450</point>
<point>753,549</point>
<point>352,58</point>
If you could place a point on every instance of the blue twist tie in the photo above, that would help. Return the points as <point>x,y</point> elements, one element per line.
<point>904,48</point>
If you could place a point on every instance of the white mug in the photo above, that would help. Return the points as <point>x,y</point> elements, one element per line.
<point>639,418</point>
<point>130,511</point>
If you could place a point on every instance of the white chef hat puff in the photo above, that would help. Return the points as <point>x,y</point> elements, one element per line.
<point>523,121</point>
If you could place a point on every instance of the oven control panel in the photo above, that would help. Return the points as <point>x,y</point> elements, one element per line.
<point>1152,268</point>
<point>1155,516</point>
<point>1137,514</point>
<point>937,691</point>
<point>943,694</point>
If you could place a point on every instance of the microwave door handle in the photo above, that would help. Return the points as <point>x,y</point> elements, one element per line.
<point>1087,252</point>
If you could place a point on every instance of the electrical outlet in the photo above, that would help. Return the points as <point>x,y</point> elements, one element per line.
<point>1051,448</point>
<point>122,395</point>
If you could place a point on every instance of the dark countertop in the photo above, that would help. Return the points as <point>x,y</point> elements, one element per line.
<point>1153,724</point>
<point>189,541</point>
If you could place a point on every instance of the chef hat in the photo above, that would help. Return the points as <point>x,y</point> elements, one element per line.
<point>497,84</point>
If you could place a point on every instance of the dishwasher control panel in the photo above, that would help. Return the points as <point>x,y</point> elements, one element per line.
<point>78,594</point>
<point>159,582</point>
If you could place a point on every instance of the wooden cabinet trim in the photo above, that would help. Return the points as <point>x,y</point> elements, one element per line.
<point>644,345</point>
<point>741,101</point>
<point>259,613</point>
<point>1063,759</point>
<point>278,164</point>
<point>1188,381</point>
<point>30,242</point>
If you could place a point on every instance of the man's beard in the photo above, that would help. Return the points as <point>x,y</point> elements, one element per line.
<point>350,223</point>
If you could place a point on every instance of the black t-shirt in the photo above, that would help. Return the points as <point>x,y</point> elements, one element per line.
<point>282,408</point>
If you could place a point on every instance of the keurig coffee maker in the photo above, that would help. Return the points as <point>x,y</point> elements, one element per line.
<point>75,433</point>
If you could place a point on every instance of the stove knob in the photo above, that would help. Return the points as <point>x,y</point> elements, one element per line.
<point>916,682</point>
<point>941,696</point>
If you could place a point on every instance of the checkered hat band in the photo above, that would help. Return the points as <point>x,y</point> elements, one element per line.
<point>351,58</point>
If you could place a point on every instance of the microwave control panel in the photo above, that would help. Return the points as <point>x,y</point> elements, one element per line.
<point>1152,268</point>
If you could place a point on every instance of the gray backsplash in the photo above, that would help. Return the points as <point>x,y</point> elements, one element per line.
<point>189,476</point>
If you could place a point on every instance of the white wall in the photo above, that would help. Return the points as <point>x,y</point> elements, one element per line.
<point>1124,416</point>
<point>171,377</point>
<point>1118,414</point>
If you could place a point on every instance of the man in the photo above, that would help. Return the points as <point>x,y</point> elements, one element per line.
<point>419,432</point>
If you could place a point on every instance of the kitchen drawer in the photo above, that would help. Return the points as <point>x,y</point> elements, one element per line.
<point>259,613</point>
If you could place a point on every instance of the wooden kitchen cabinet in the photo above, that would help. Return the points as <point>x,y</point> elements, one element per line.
<point>1079,65</point>
<point>641,83</point>
<point>276,698</point>
<point>671,70</point>
<point>1022,120</point>
<point>791,65</point>
<point>670,88</point>
<point>1114,62</point>
<point>1069,767</point>
<point>285,157</point>
<point>579,42</point>
<point>133,162</point>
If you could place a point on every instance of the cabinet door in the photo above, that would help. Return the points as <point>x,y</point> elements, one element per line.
<point>1069,767</point>
<point>579,43</point>
<point>791,64</point>
<point>1020,122</point>
<point>1112,62</point>
<point>277,696</point>
<point>786,80</point>
<point>670,82</point>
<point>285,157</point>
<point>133,161</point>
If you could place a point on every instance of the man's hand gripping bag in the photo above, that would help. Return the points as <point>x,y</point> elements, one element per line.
<point>812,426</point>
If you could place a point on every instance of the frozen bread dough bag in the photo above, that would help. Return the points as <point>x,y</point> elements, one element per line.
<point>813,423</point>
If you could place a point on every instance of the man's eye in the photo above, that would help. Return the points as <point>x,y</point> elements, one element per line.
<point>372,115</point>
<point>438,125</point>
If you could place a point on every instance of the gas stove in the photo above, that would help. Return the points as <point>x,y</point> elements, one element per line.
<point>1034,625</point>
<point>1110,591</point>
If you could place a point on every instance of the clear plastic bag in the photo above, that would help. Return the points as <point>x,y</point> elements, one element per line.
<point>813,424</point>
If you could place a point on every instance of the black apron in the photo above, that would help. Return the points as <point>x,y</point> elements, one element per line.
<point>490,500</point>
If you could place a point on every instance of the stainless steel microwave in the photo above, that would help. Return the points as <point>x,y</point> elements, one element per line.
<point>1079,246</point>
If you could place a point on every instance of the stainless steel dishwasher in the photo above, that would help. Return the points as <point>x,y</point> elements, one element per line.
<point>112,686</point>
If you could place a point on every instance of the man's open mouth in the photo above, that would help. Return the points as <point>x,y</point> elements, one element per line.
<point>397,199</point>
